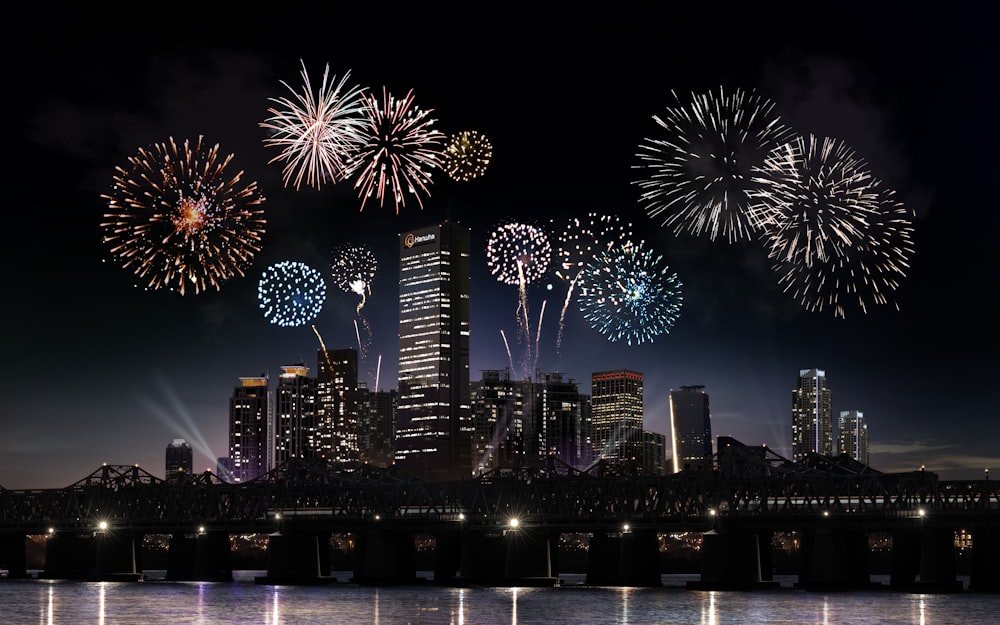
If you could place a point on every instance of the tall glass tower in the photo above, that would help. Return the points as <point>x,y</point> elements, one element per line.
<point>616,413</point>
<point>812,415</point>
<point>337,404</point>
<point>852,435</point>
<point>691,429</point>
<point>433,411</point>
<point>295,434</point>
<point>250,436</point>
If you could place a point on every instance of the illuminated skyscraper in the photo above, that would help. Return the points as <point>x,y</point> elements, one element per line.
<point>560,423</point>
<point>376,424</point>
<point>250,435</point>
<point>616,404</point>
<point>690,429</point>
<point>337,404</point>
<point>433,413</point>
<point>812,415</point>
<point>179,458</point>
<point>498,419</point>
<point>852,435</point>
<point>654,452</point>
<point>295,433</point>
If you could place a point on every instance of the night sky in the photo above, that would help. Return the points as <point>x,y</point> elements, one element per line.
<point>95,370</point>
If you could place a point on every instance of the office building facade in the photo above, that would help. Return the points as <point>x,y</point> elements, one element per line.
<point>812,415</point>
<point>251,442</point>
<point>433,412</point>
<point>376,425</point>
<point>617,413</point>
<point>337,404</point>
<point>852,435</point>
<point>690,429</point>
<point>179,458</point>
<point>296,435</point>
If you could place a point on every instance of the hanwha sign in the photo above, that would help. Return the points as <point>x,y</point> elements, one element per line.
<point>411,239</point>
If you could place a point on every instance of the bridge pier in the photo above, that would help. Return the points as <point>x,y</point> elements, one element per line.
<point>832,559</point>
<point>13,556</point>
<point>483,554</point>
<point>905,563</point>
<point>294,559</point>
<point>528,558</point>
<point>384,557</point>
<point>101,556</point>
<point>937,561</point>
<point>985,574</point>
<point>447,556</point>
<point>734,560</point>
<point>513,557</point>
<point>624,559</point>
<point>203,557</point>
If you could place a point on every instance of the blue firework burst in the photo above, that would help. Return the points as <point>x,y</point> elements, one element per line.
<point>628,293</point>
<point>291,293</point>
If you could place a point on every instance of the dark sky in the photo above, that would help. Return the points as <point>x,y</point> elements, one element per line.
<point>95,370</point>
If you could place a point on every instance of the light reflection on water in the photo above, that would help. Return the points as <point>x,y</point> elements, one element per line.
<point>152,602</point>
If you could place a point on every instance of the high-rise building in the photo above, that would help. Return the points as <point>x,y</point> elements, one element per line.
<point>376,424</point>
<point>690,429</point>
<point>812,415</point>
<point>337,404</point>
<point>560,425</point>
<point>616,404</point>
<point>179,458</point>
<point>852,435</point>
<point>433,412</point>
<point>251,441</point>
<point>295,432</point>
<point>654,452</point>
<point>497,419</point>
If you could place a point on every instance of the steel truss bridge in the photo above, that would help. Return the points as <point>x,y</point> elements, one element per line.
<point>750,487</point>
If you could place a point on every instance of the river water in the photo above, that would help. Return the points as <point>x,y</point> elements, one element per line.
<point>243,601</point>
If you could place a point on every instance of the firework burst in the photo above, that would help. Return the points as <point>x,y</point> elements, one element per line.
<point>466,156</point>
<point>577,244</point>
<point>317,133</point>
<point>179,221</point>
<point>353,269</point>
<point>401,151</point>
<point>519,254</point>
<point>835,233</point>
<point>291,293</point>
<point>628,293</point>
<point>699,176</point>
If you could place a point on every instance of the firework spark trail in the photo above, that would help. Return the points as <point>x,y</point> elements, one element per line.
<point>837,235</point>
<point>538,335</point>
<point>699,176</point>
<point>323,346</point>
<point>466,156</point>
<point>366,343</point>
<point>378,371</point>
<point>519,254</point>
<point>401,152</point>
<point>353,269</point>
<point>317,134</point>
<point>576,245</point>
<point>507,345</point>
<point>179,222</point>
<point>291,293</point>
<point>629,294</point>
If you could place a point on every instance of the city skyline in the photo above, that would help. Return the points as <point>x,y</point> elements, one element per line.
<point>96,370</point>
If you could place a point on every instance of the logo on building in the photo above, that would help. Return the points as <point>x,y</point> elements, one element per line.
<point>411,239</point>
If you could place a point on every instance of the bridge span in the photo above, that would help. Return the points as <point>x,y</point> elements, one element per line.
<point>502,527</point>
